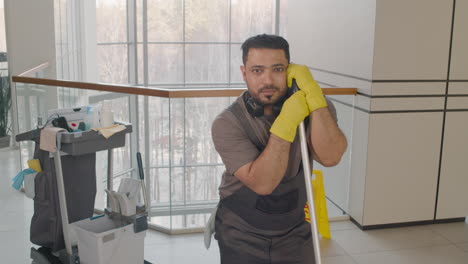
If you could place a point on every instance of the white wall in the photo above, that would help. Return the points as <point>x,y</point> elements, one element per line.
<point>2,29</point>
<point>412,39</point>
<point>336,35</point>
<point>30,42</point>
<point>336,39</point>
<point>30,33</point>
<point>453,195</point>
<point>397,54</point>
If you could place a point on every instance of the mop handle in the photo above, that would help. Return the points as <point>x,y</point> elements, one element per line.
<point>308,183</point>
<point>142,178</point>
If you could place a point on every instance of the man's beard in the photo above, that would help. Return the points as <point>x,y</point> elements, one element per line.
<point>269,97</point>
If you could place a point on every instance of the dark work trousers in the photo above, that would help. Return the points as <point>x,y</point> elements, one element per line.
<point>241,243</point>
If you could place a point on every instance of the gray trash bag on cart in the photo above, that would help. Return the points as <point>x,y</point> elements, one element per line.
<point>79,175</point>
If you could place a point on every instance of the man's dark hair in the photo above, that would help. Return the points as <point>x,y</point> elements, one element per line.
<point>264,41</point>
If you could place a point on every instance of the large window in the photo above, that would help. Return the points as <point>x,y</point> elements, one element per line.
<point>178,44</point>
<point>111,34</point>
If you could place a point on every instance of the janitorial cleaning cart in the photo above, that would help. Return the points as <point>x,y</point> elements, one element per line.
<point>63,224</point>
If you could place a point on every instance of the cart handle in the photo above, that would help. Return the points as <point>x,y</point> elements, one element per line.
<point>142,178</point>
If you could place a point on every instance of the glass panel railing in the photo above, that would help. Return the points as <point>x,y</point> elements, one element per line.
<point>32,104</point>
<point>337,178</point>
<point>185,167</point>
<point>183,170</point>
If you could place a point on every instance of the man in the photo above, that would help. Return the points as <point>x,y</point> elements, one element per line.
<point>260,218</point>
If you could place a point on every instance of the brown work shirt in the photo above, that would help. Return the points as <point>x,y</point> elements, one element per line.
<point>236,149</point>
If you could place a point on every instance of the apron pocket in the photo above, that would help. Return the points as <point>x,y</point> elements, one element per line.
<point>278,204</point>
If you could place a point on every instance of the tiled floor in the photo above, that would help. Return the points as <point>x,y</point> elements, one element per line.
<point>431,244</point>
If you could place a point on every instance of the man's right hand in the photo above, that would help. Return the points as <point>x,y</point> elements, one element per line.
<point>306,83</point>
<point>293,112</point>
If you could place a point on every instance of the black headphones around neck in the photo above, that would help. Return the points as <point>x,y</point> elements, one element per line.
<point>256,110</point>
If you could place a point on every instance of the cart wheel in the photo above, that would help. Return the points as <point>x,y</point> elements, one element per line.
<point>43,255</point>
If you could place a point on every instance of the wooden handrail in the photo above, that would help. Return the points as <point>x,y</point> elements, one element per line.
<point>141,90</point>
<point>159,92</point>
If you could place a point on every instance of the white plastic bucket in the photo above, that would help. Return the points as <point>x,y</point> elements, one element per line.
<point>102,240</point>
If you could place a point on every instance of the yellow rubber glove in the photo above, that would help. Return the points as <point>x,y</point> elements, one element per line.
<point>293,112</point>
<point>306,83</point>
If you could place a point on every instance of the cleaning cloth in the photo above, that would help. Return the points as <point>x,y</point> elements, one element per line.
<point>107,132</point>
<point>49,138</point>
<point>210,228</point>
<point>19,178</point>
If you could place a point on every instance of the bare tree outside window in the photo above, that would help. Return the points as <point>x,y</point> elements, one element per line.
<point>111,33</point>
<point>206,21</point>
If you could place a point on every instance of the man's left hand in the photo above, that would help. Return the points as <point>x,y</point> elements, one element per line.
<point>306,83</point>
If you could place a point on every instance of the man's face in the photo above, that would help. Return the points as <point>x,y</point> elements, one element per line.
<point>264,73</point>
